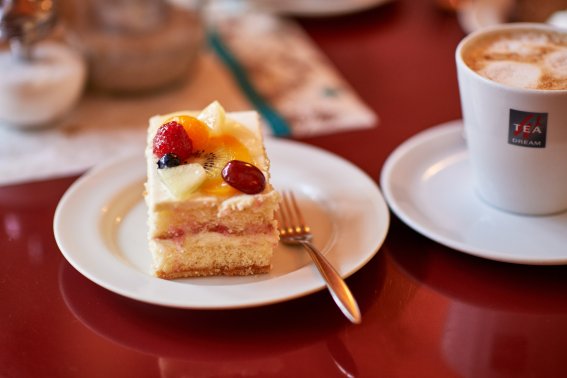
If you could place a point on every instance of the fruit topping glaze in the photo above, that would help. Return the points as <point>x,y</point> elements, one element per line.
<point>207,153</point>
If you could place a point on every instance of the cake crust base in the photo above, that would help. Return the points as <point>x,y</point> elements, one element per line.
<point>223,271</point>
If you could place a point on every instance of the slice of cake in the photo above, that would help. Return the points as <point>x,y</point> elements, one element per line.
<point>210,202</point>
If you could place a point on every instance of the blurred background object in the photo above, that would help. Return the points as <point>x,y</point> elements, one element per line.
<point>451,5</point>
<point>26,22</point>
<point>36,63</point>
<point>476,14</point>
<point>135,46</point>
<point>536,10</point>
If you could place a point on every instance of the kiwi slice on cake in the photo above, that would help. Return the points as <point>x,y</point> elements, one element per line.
<point>219,151</point>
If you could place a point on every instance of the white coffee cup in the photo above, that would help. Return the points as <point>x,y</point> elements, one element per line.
<point>516,137</point>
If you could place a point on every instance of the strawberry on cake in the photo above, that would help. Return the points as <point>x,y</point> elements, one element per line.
<point>210,202</point>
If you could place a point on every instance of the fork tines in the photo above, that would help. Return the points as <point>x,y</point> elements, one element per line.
<point>290,217</point>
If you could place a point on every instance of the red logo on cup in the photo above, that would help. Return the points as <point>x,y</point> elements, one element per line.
<point>527,129</point>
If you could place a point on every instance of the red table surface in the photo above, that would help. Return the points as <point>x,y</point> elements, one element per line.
<point>428,311</point>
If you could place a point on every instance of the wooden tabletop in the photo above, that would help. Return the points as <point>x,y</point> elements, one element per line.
<point>428,310</point>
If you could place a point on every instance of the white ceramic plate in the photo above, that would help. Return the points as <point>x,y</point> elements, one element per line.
<point>427,183</point>
<point>319,8</point>
<point>100,227</point>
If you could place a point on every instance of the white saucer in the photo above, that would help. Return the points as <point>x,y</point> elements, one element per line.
<point>100,227</point>
<point>426,181</point>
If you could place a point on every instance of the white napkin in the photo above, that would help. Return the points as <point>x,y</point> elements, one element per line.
<point>45,154</point>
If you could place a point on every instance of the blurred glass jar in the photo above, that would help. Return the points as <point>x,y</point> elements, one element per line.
<point>135,46</point>
<point>42,76</point>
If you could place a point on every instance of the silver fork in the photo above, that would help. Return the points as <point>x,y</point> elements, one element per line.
<point>294,231</point>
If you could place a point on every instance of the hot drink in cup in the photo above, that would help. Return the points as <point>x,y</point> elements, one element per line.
<point>531,59</point>
<point>513,86</point>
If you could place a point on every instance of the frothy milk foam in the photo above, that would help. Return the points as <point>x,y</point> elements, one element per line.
<point>521,58</point>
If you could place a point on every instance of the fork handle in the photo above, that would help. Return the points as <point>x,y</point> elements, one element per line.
<point>336,285</point>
